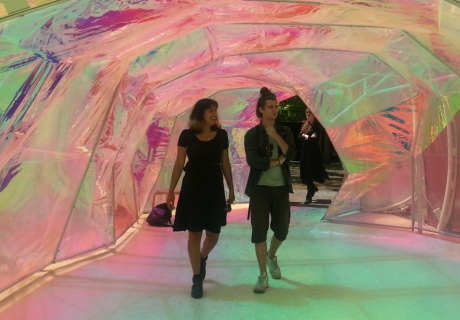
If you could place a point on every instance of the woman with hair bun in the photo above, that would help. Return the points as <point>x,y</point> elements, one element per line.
<point>201,204</point>
<point>269,148</point>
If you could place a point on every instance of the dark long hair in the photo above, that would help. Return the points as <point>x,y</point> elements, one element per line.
<point>196,119</point>
<point>307,125</point>
<point>265,95</point>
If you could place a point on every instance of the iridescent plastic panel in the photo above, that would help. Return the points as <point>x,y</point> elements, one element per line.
<point>93,96</point>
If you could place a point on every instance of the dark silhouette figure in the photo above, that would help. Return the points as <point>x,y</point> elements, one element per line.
<point>311,162</point>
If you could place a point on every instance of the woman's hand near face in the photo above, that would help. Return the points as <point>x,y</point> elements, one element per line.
<point>271,132</point>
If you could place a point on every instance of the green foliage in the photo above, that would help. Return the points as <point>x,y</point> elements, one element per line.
<point>292,109</point>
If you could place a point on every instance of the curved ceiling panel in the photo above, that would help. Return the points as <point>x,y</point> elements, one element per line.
<point>94,94</point>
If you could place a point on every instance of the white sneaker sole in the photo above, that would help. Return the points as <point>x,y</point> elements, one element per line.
<point>259,290</point>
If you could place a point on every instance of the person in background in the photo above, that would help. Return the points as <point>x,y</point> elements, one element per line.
<point>311,163</point>
<point>269,147</point>
<point>201,204</point>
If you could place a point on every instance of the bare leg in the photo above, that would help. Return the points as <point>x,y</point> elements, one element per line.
<point>274,246</point>
<point>209,243</point>
<point>261,253</point>
<point>193,246</point>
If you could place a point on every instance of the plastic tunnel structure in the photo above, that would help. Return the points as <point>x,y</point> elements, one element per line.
<point>93,95</point>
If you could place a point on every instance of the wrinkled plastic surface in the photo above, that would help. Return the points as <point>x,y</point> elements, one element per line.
<point>95,93</point>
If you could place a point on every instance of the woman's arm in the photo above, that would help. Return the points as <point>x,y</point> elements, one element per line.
<point>227,171</point>
<point>316,129</point>
<point>176,173</point>
<point>287,147</point>
<point>253,158</point>
<point>303,130</point>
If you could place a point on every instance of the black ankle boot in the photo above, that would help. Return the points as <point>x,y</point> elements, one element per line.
<point>203,267</point>
<point>197,286</point>
<point>311,192</point>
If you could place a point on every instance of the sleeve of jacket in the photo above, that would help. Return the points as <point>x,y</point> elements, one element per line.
<point>318,128</point>
<point>253,158</point>
<point>292,150</point>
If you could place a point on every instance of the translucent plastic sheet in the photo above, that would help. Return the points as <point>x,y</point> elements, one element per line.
<point>93,96</point>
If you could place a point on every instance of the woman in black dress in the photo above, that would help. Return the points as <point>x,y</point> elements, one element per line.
<point>201,204</point>
<point>311,162</point>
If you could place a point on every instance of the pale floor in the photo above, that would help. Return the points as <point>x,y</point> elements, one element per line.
<point>330,271</point>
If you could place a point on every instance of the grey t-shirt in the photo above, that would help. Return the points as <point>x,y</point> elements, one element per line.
<point>273,177</point>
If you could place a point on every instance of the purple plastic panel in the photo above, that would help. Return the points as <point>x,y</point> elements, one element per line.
<point>93,95</point>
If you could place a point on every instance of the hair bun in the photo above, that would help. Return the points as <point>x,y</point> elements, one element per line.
<point>266,92</point>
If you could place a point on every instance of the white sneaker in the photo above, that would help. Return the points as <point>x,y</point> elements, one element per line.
<point>261,284</point>
<point>273,267</point>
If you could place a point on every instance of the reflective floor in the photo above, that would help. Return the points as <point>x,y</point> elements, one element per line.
<point>329,271</point>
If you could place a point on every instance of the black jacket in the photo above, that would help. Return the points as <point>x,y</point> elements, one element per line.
<point>256,143</point>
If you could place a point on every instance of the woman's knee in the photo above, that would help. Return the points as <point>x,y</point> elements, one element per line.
<point>212,236</point>
<point>194,236</point>
<point>258,236</point>
<point>281,235</point>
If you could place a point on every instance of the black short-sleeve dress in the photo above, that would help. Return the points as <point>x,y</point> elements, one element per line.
<point>201,200</point>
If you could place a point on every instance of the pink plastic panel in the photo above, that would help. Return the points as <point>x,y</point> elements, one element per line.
<point>93,95</point>
<point>440,162</point>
